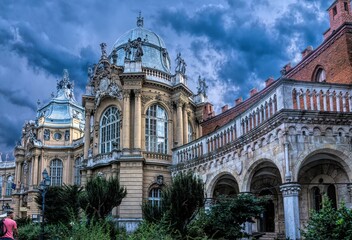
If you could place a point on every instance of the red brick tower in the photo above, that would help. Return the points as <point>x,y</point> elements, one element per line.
<point>339,13</point>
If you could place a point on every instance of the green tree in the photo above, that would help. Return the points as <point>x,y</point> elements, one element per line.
<point>225,218</point>
<point>70,198</point>
<point>101,196</point>
<point>329,223</point>
<point>182,200</point>
<point>55,210</point>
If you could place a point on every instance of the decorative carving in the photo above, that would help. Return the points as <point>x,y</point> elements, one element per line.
<point>46,134</point>
<point>146,99</point>
<point>107,89</point>
<point>239,167</point>
<point>67,135</point>
<point>290,189</point>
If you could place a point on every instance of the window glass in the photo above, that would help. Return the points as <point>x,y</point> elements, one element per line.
<point>110,129</point>
<point>156,129</point>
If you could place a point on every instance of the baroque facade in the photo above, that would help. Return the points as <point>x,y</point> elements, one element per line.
<point>141,123</point>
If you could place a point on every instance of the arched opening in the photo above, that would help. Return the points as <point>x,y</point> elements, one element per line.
<point>225,185</point>
<point>266,181</point>
<point>321,174</point>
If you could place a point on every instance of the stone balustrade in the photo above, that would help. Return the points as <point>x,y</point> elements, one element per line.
<point>285,95</point>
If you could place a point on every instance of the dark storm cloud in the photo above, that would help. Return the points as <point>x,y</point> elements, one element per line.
<point>9,128</point>
<point>17,98</point>
<point>252,48</point>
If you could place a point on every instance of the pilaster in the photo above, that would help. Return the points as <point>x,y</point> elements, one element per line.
<point>87,134</point>
<point>137,120</point>
<point>179,124</point>
<point>126,120</point>
<point>185,125</point>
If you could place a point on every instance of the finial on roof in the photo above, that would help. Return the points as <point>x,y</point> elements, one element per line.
<point>103,49</point>
<point>66,75</point>
<point>140,20</point>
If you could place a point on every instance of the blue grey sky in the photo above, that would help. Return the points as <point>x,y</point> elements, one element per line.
<point>234,44</point>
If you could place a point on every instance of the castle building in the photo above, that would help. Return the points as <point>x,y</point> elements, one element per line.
<point>140,122</point>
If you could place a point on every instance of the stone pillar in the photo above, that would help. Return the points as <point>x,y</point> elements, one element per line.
<point>87,134</point>
<point>137,120</point>
<point>89,174</point>
<point>185,125</point>
<point>290,193</point>
<point>179,124</point>
<point>18,174</point>
<point>126,120</point>
<point>84,178</point>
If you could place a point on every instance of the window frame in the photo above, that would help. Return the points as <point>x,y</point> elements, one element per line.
<point>109,129</point>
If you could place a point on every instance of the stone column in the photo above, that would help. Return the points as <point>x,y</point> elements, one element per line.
<point>290,193</point>
<point>126,120</point>
<point>18,174</point>
<point>185,125</point>
<point>137,120</point>
<point>84,178</point>
<point>87,134</point>
<point>179,124</point>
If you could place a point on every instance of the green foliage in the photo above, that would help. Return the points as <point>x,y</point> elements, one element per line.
<point>101,196</point>
<point>152,213</point>
<point>226,217</point>
<point>147,231</point>
<point>61,203</point>
<point>55,211</point>
<point>181,201</point>
<point>70,198</point>
<point>329,223</point>
<point>29,231</point>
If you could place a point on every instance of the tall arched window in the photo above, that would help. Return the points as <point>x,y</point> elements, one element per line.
<point>317,199</point>
<point>190,132</point>
<point>56,172</point>
<point>156,129</point>
<point>320,75</point>
<point>77,171</point>
<point>9,185</point>
<point>155,196</point>
<point>110,129</point>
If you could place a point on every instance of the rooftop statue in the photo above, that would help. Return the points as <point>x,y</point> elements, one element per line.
<point>180,64</point>
<point>202,87</point>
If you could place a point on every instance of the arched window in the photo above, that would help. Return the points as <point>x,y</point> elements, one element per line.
<point>320,75</point>
<point>156,129</point>
<point>9,185</point>
<point>155,196</point>
<point>77,171</point>
<point>190,132</point>
<point>110,129</point>
<point>332,195</point>
<point>56,172</point>
<point>317,199</point>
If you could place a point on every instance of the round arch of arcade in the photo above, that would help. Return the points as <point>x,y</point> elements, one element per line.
<point>323,172</point>
<point>253,169</point>
<point>224,183</point>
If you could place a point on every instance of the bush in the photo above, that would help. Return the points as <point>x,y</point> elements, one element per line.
<point>329,223</point>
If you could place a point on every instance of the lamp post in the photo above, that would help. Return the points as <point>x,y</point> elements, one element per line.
<point>43,188</point>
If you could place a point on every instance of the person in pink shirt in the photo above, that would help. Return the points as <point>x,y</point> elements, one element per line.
<point>11,227</point>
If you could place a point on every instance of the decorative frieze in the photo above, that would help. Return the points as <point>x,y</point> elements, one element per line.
<point>290,189</point>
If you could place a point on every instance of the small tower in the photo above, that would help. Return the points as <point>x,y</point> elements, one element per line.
<point>339,13</point>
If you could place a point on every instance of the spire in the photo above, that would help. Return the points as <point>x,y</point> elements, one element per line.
<point>140,20</point>
<point>103,50</point>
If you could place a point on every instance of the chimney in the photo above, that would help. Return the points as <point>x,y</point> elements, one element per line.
<point>269,81</point>
<point>253,92</point>
<point>238,101</point>
<point>339,13</point>
<point>307,51</point>
<point>224,108</point>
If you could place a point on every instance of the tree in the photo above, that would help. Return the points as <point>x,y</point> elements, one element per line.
<point>61,203</point>
<point>329,223</point>
<point>101,196</point>
<point>226,217</point>
<point>55,210</point>
<point>182,200</point>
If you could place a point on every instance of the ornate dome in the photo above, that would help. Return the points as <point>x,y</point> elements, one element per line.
<point>155,55</point>
<point>63,107</point>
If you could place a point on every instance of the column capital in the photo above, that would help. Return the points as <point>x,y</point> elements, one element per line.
<point>126,93</point>
<point>290,189</point>
<point>137,92</point>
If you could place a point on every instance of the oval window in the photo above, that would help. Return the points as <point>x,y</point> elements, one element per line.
<point>57,136</point>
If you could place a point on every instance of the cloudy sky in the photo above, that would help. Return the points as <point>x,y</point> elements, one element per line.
<point>234,44</point>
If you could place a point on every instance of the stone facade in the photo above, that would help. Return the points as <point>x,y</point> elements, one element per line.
<point>141,123</point>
